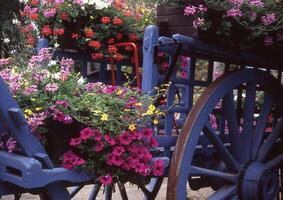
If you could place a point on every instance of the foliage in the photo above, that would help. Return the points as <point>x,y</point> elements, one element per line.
<point>10,38</point>
<point>114,138</point>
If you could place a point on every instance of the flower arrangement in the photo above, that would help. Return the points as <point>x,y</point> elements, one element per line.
<point>238,22</point>
<point>243,24</point>
<point>80,24</point>
<point>114,138</point>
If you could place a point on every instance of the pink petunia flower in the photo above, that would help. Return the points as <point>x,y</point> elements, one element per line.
<point>106,180</point>
<point>78,161</point>
<point>125,138</point>
<point>118,151</point>
<point>97,135</point>
<point>99,146</point>
<point>75,141</point>
<point>158,167</point>
<point>86,133</point>
<point>111,141</point>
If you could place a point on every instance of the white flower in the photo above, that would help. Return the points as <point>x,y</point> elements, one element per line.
<point>6,40</point>
<point>15,21</point>
<point>99,4</point>
<point>81,80</point>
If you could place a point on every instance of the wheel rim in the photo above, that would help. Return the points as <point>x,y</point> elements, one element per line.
<point>245,147</point>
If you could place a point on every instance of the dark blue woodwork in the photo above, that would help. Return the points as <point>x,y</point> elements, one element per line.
<point>223,159</point>
<point>236,163</point>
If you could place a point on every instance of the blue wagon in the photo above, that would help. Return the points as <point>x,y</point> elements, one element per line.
<point>228,138</point>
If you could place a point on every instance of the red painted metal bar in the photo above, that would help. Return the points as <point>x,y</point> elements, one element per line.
<point>112,71</point>
<point>136,59</point>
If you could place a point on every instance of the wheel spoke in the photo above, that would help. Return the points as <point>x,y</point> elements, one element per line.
<point>94,191</point>
<point>261,123</point>
<point>108,192</point>
<point>75,190</point>
<point>224,193</point>
<point>270,140</point>
<point>247,134</point>
<point>274,163</point>
<point>199,171</point>
<point>227,157</point>
<point>122,190</point>
<point>229,108</point>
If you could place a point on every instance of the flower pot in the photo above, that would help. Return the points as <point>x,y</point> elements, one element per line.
<point>58,138</point>
<point>66,41</point>
<point>172,20</point>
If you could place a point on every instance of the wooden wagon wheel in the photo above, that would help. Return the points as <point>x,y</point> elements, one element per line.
<point>149,191</point>
<point>251,158</point>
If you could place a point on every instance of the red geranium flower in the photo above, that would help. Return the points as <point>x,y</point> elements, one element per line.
<point>94,44</point>
<point>75,35</point>
<point>34,2</point>
<point>30,40</point>
<point>58,31</point>
<point>105,20</point>
<point>96,56</point>
<point>127,13</point>
<point>88,33</point>
<point>117,21</point>
<point>33,16</point>
<point>64,16</point>
<point>110,41</point>
<point>112,49</point>
<point>133,37</point>
<point>46,30</point>
<point>119,36</point>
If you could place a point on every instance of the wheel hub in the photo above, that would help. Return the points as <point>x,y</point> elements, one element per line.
<point>257,182</point>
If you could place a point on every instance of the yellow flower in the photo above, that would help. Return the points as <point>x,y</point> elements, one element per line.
<point>151,108</point>
<point>138,104</point>
<point>104,117</point>
<point>97,111</point>
<point>119,92</point>
<point>155,121</point>
<point>38,108</point>
<point>25,83</point>
<point>33,99</point>
<point>132,127</point>
<point>28,111</point>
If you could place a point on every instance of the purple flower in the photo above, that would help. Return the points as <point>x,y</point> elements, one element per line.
<point>268,41</point>
<point>237,3</point>
<point>80,2</point>
<point>256,3</point>
<point>234,12</point>
<point>63,103</point>
<point>268,19</point>
<point>5,61</point>
<point>190,10</point>
<point>30,90</point>
<point>51,87</point>
<point>198,22</point>
<point>11,145</point>
<point>50,12</point>
<point>202,8</point>
<point>67,119</point>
